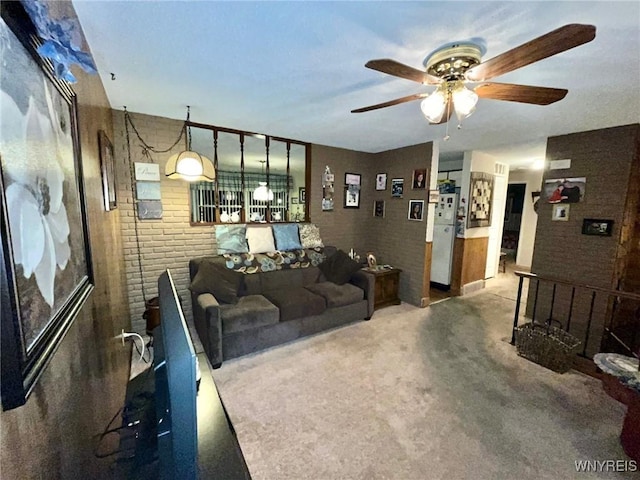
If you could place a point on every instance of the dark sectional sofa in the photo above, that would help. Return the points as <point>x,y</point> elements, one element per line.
<point>274,307</point>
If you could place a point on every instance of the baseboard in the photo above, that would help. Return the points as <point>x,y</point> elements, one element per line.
<point>472,287</point>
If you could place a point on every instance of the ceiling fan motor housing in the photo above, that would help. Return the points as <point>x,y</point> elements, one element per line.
<point>452,61</point>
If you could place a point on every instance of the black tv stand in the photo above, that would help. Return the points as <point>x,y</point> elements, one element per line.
<point>219,453</point>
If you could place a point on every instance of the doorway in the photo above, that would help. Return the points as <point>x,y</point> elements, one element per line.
<point>513,219</point>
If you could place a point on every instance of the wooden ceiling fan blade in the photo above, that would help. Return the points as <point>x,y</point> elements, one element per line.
<point>552,43</point>
<point>520,93</point>
<point>397,69</point>
<point>390,103</point>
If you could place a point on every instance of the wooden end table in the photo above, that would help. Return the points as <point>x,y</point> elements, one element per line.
<point>386,286</point>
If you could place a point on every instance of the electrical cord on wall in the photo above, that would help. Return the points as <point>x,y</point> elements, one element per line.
<point>124,335</point>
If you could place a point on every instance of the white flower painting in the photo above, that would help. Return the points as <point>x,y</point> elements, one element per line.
<point>41,194</point>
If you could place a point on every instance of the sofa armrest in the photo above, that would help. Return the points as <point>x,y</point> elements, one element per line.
<point>368,284</point>
<point>206,317</point>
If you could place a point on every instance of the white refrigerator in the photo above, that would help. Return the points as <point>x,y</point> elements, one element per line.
<point>444,232</point>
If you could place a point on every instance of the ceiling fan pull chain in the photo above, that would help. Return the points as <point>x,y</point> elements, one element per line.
<point>446,132</point>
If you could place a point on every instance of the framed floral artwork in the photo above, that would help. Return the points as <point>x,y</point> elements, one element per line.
<point>46,269</point>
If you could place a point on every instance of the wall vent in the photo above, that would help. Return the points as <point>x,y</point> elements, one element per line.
<point>500,168</point>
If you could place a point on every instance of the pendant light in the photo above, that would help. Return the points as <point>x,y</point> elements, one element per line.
<point>263,193</point>
<point>189,165</point>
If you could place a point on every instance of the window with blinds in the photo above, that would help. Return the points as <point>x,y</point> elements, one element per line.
<point>258,178</point>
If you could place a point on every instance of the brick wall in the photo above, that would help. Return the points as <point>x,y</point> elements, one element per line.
<point>165,243</point>
<point>605,158</point>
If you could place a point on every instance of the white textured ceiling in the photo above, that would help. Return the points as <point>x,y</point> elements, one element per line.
<point>296,69</point>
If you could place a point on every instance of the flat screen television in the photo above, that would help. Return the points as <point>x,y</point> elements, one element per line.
<point>175,370</point>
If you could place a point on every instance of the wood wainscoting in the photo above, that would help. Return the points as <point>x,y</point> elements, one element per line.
<point>426,275</point>
<point>469,262</point>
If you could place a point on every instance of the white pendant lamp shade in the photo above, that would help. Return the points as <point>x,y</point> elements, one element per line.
<point>434,105</point>
<point>190,166</point>
<point>263,193</point>
<point>464,101</point>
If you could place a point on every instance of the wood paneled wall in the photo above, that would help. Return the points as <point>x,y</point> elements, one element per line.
<point>469,262</point>
<point>82,388</point>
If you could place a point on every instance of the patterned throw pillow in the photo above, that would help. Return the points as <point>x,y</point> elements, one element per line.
<point>310,235</point>
<point>260,239</point>
<point>231,239</point>
<point>287,237</point>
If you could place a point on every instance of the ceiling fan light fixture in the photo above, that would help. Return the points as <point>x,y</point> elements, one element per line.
<point>434,106</point>
<point>464,101</point>
<point>190,166</point>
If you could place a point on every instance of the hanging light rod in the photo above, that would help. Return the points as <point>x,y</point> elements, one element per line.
<point>190,165</point>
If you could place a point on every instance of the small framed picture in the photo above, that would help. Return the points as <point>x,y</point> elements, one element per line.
<point>107,166</point>
<point>397,187</point>
<point>416,210</point>
<point>302,195</point>
<point>434,196</point>
<point>419,181</point>
<point>294,200</point>
<point>597,227</point>
<point>352,179</point>
<point>560,212</point>
<point>351,197</point>
<point>381,181</point>
<point>378,208</point>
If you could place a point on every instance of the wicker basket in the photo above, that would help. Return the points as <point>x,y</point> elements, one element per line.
<point>548,346</point>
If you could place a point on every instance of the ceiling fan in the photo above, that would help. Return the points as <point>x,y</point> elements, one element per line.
<point>454,65</point>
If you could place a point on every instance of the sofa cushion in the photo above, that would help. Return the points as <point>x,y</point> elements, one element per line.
<point>250,312</point>
<point>296,302</point>
<point>338,268</point>
<point>260,239</point>
<point>287,236</point>
<point>214,278</point>
<point>231,239</point>
<point>337,295</point>
<point>281,280</point>
<point>310,235</point>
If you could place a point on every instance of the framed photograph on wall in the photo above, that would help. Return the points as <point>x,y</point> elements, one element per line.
<point>597,227</point>
<point>351,197</point>
<point>352,179</point>
<point>378,208</point>
<point>564,190</point>
<point>416,210</point>
<point>302,195</point>
<point>397,187</point>
<point>560,212</point>
<point>45,262</point>
<point>419,179</point>
<point>107,168</point>
<point>381,181</point>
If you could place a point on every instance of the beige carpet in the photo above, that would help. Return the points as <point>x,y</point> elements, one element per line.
<point>432,393</point>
